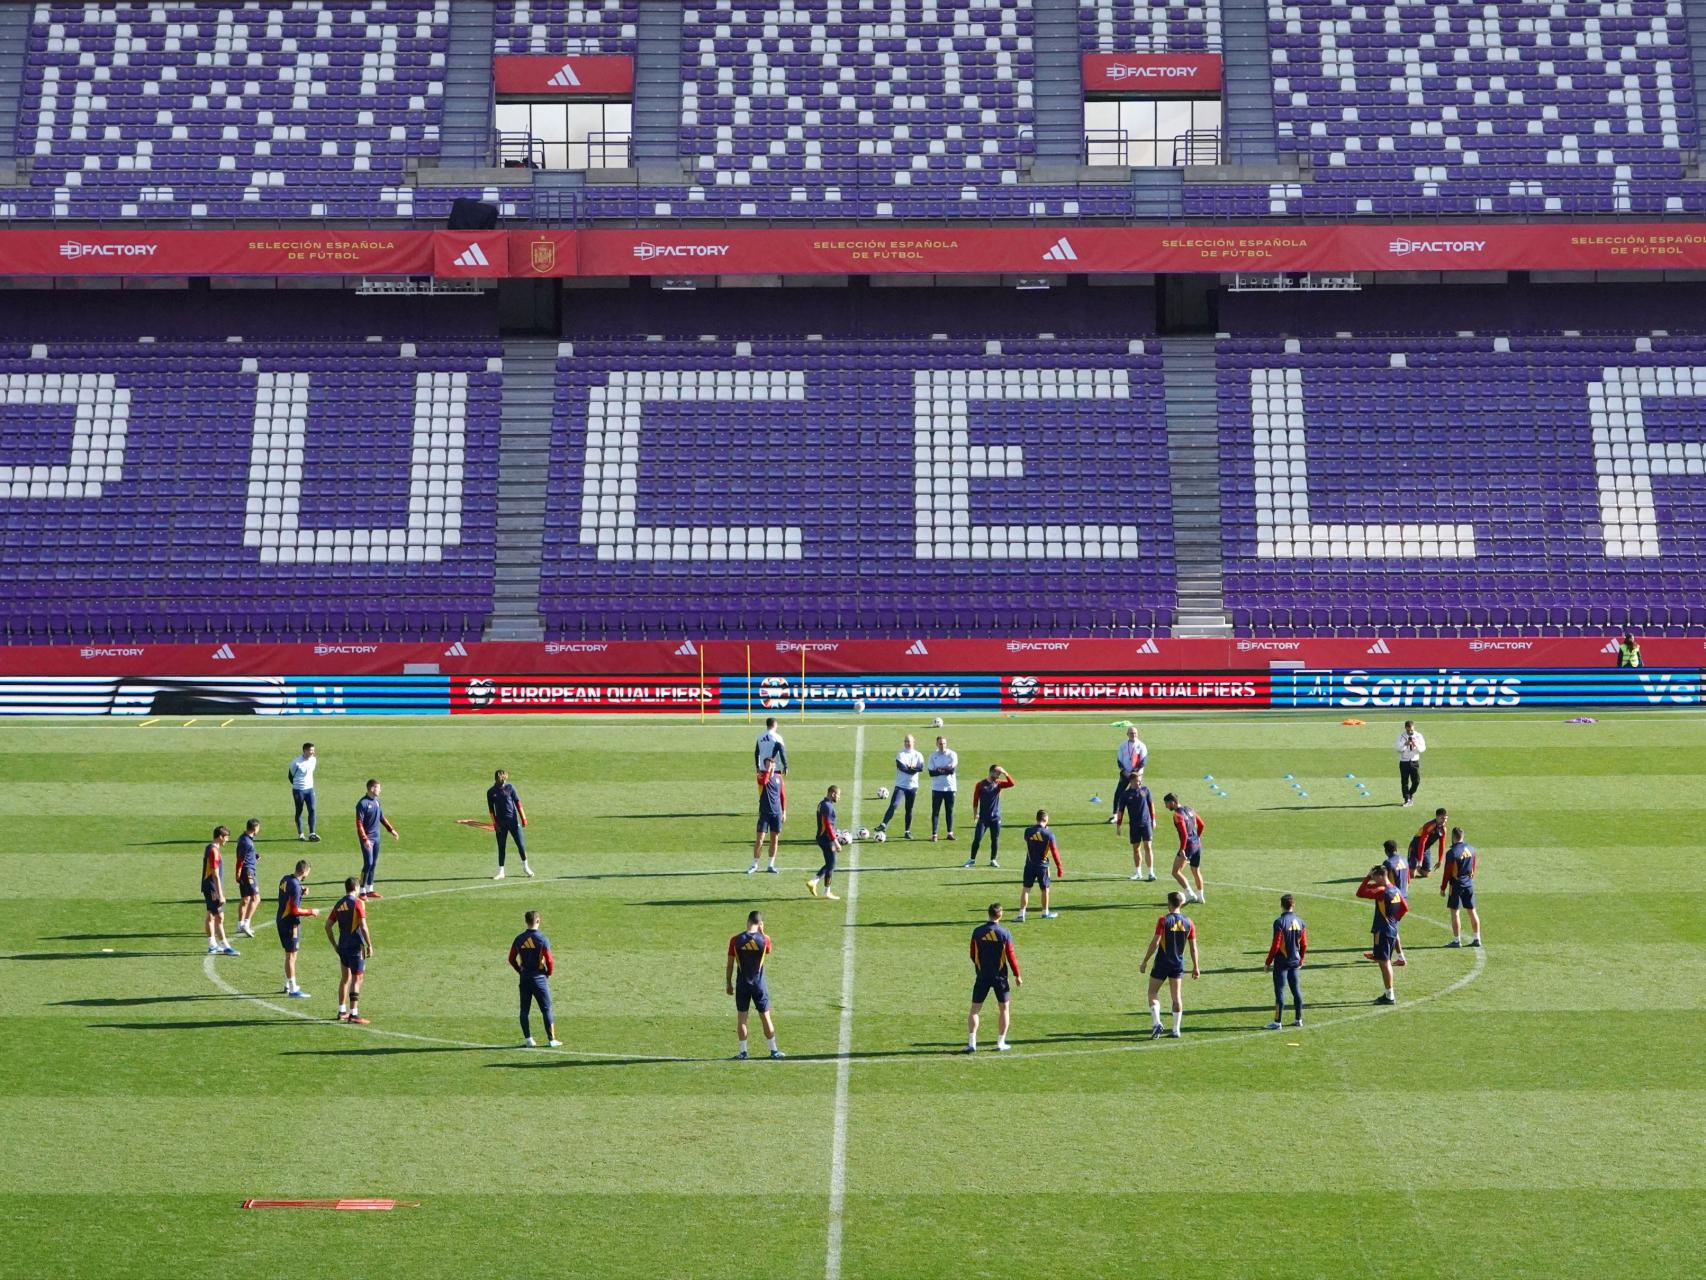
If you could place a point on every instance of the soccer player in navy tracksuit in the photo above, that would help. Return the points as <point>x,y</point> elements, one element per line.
<point>993,957</point>
<point>1285,958</point>
<point>772,813</point>
<point>530,957</point>
<point>829,841</point>
<point>291,891</point>
<point>369,821</point>
<point>1458,880</point>
<point>1400,865</point>
<point>508,818</point>
<point>248,878</point>
<point>354,945</point>
<point>1380,886</point>
<point>748,951</point>
<point>1137,806</point>
<point>1174,935</point>
<point>986,806</point>
<point>1040,846</point>
<point>213,893</point>
<point>1190,826</point>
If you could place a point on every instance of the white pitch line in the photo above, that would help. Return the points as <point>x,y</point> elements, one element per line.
<point>844,1042</point>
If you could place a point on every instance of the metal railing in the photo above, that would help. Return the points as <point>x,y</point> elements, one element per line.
<point>1183,150</point>
<point>595,151</point>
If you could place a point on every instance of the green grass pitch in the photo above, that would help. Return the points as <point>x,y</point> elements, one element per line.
<point>1531,1110</point>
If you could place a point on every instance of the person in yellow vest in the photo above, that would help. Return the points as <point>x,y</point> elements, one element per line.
<point>1628,651</point>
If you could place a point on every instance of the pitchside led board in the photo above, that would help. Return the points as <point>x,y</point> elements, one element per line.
<point>1440,688</point>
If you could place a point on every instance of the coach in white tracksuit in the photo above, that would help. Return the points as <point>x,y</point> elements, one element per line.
<point>1411,744</point>
<point>908,764</point>
<point>944,767</point>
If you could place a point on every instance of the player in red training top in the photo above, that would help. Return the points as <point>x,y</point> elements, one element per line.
<point>772,813</point>
<point>1380,886</point>
<point>354,944</point>
<point>1190,826</point>
<point>213,893</point>
<point>1424,842</point>
<point>1174,935</point>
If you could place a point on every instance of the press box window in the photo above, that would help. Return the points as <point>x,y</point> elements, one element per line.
<point>565,135</point>
<point>1152,133</point>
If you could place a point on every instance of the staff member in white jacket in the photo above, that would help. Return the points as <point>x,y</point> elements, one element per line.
<point>1411,744</point>
<point>301,775</point>
<point>908,764</point>
<point>944,767</point>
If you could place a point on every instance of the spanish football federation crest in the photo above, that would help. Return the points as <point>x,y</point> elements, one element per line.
<point>543,256</point>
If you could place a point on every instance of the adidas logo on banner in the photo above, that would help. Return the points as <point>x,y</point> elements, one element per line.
<point>472,256</point>
<point>1149,646</point>
<point>457,650</point>
<point>917,650</point>
<point>1061,252</point>
<point>686,650</point>
<point>223,653</point>
<point>565,78</point>
<point>1379,646</point>
<point>1610,647</point>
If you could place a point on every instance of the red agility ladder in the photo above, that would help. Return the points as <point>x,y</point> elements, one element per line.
<point>370,1205</point>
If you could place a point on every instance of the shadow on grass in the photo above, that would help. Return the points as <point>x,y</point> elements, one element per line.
<point>386,1051</point>
<point>132,1002</point>
<point>116,937</point>
<point>209,1024</point>
<point>558,1063</point>
<point>93,955</point>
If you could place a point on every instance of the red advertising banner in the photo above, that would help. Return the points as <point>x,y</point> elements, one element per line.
<point>470,254</point>
<point>1124,250</point>
<point>859,250</point>
<point>507,695</point>
<point>563,76</point>
<point>544,254</point>
<point>1151,73</point>
<point>271,252</point>
<point>678,664</point>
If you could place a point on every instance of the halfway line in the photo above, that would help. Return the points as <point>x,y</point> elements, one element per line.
<point>844,1043</point>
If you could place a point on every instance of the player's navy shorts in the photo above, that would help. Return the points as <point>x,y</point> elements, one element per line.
<point>1384,946</point>
<point>210,895</point>
<point>984,985</point>
<point>1140,834</point>
<point>352,959</point>
<point>1036,873</point>
<point>246,886</point>
<point>1192,856</point>
<point>1460,896</point>
<point>1167,969</point>
<point>768,821</point>
<point>828,856</point>
<point>290,935</point>
<point>753,995</point>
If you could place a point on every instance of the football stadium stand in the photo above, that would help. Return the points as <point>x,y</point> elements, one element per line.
<point>261,489</point>
<point>949,487</point>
